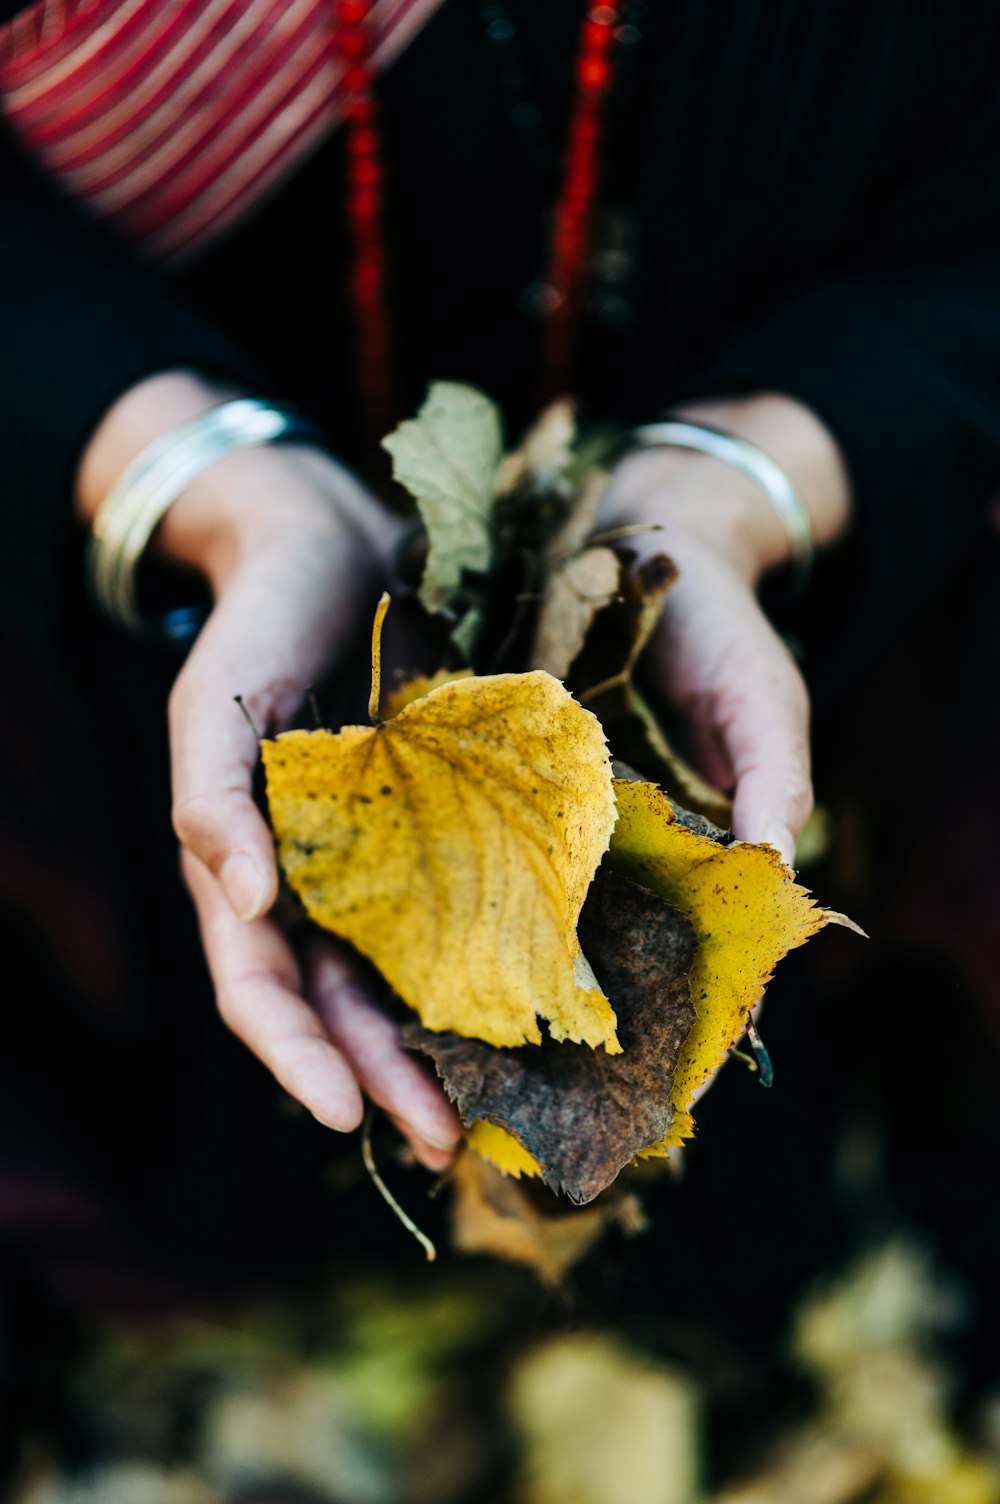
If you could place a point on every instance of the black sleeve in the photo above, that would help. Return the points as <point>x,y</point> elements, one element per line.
<point>81,323</point>
<point>897,348</point>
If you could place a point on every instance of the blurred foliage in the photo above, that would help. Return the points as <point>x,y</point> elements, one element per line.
<point>440,1389</point>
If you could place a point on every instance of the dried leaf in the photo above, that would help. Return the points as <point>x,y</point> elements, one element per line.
<point>813,1466</point>
<point>612,652</point>
<point>116,1480</point>
<point>294,1425</point>
<point>583,1115</point>
<point>447,458</point>
<point>493,1214</point>
<point>574,593</point>
<point>453,846</point>
<point>544,454</point>
<point>579,522</point>
<point>747,912</point>
<point>604,679</point>
<point>603,1423</point>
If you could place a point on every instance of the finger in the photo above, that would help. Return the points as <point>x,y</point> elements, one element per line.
<point>258,988</point>
<point>765,726</point>
<point>273,632</point>
<point>213,754</point>
<point>248,647</point>
<point>369,1039</point>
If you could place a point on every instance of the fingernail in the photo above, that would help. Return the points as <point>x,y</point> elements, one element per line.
<point>326,1120</point>
<point>244,885</point>
<point>444,1145</point>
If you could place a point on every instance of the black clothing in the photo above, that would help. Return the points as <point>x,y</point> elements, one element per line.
<point>817,187</point>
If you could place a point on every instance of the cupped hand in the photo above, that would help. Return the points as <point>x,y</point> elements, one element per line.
<point>291,590</point>
<point>715,657</point>
<point>295,552</point>
<point>745,706</point>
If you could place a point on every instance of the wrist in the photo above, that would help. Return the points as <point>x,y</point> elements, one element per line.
<point>693,500</point>
<point>798,441</point>
<point>697,496</point>
<point>241,503</point>
<point>252,500</point>
<point>137,419</point>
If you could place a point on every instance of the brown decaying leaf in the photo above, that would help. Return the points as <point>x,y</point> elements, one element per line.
<point>584,1114</point>
<point>613,650</point>
<point>746,909</point>
<point>574,593</point>
<point>492,1214</point>
<point>603,679</point>
<point>579,521</point>
<point>544,453</point>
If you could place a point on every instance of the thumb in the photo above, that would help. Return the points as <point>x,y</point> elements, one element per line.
<point>214,752</point>
<point>768,745</point>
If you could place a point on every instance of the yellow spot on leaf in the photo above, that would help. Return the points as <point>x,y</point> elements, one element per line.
<point>747,912</point>
<point>501,1149</point>
<point>453,846</point>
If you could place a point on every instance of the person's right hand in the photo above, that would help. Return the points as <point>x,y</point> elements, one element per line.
<point>295,552</point>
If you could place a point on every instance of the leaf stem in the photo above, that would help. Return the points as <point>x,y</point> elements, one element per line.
<point>747,1060</point>
<point>616,534</point>
<point>380,1185</point>
<point>601,689</point>
<point>376,694</point>
<point>248,718</point>
<point>761,1054</point>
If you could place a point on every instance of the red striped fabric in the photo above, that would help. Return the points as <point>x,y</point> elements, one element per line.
<point>173,119</point>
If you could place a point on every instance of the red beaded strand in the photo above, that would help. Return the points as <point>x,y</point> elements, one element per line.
<point>365,214</point>
<point>572,216</point>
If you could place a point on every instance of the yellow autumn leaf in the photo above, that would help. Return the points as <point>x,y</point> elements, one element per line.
<point>408,690</point>
<point>506,1153</point>
<point>453,846</point>
<point>491,1213</point>
<point>747,912</point>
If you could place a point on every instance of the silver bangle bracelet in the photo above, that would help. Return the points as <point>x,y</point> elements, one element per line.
<point>788,505</point>
<point>128,515</point>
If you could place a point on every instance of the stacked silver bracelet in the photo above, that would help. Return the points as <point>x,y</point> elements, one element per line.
<point>791,510</point>
<point>129,514</point>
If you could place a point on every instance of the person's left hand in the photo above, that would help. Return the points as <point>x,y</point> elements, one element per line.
<point>715,657</point>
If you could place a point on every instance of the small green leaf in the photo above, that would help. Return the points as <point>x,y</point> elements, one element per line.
<point>447,457</point>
